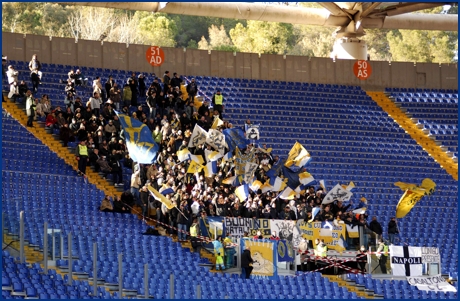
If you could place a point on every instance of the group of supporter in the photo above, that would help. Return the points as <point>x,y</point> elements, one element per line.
<point>171,117</point>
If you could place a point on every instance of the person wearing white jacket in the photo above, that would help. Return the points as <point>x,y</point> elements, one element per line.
<point>95,103</point>
<point>12,75</point>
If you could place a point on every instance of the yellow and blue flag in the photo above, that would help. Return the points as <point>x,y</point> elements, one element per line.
<point>242,192</point>
<point>183,155</point>
<point>298,157</point>
<point>305,178</point>
<point>210,169</point>
<point>139,141</point>
<point>159,197</point>
<point>255,185</point>
<point>166,189</point>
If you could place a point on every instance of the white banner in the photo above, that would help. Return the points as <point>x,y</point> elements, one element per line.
<point>253,132</point>
<point>430,255</point>
<point>406,261</point>
<point>337,193</point>
<point>287,230</point>
<point>435,283</point>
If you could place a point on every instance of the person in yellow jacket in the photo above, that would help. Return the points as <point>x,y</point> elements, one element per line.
<point>218,102</point>
<point>194,233</point>
<point>219,262</point>
<point>321,248</point>
<point>229,250</point>
<point>82,157</point>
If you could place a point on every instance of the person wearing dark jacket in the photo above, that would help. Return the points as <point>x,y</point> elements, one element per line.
<point>338,206</point>
<point>144,203</point>
<point>327,215</point>
<point>287,214</point>
<point>127,198</point>
<point>119,206</point>
<point>117,170</point>
<point>182,221</point>
<point>392,230</point>
<point>246,263</point>
<point>175,81</point>
<point>375,227</point>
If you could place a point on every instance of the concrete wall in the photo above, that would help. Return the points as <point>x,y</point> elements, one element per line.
<point>226,64</point>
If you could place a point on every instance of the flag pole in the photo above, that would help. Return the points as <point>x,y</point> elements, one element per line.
<point>181,212</point>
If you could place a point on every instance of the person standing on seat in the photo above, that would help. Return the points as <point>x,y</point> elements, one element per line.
<point>35,74</point>
<point>218,102</point>
<point>382,253</point>
<point>246,262</point>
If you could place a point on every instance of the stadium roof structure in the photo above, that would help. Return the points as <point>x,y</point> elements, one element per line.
<point>350,18</point>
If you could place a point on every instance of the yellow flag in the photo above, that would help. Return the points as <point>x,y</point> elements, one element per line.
<point>217,122</point>
<point>194,167</point>
<point>229,181</point>
<point>158,196</point>
<point>350,186</point>
<point>412,196</point>
<point>298,157</point>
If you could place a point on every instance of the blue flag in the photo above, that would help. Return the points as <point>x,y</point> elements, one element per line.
<point>293,177</point>
<point>276,169</point>
<point>139,141</point>
<point>285,251</point>
<point>235,137</point>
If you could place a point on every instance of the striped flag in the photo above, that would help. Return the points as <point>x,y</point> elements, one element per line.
<point>288,194</point>
<point>314,212</point>
<point>197,158</point>
<point>210,169</point>
<point>227,157</point>
<point>305,178</point>
<point>212,155</point>
<point>165,189</point>
<point>322,183</point>
<point>159,197</point>
<point>298,157</point>
<point>266,187</point>
<point>183,155</point>
<point>242,192</point>
<point>255,185</point>
<point>277,184</point>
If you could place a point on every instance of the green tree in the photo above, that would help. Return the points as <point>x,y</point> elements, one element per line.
<point>203,44</point>
<point>22,17</point>
<point>263,37</point>
<point>421,46</point>
<point>315,41</point>
<point>378,46</point>
<point>192,44</point>
<point>156,29</point>
<point>218,37</point>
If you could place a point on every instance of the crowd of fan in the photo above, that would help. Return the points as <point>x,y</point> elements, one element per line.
<point>171,117</point>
